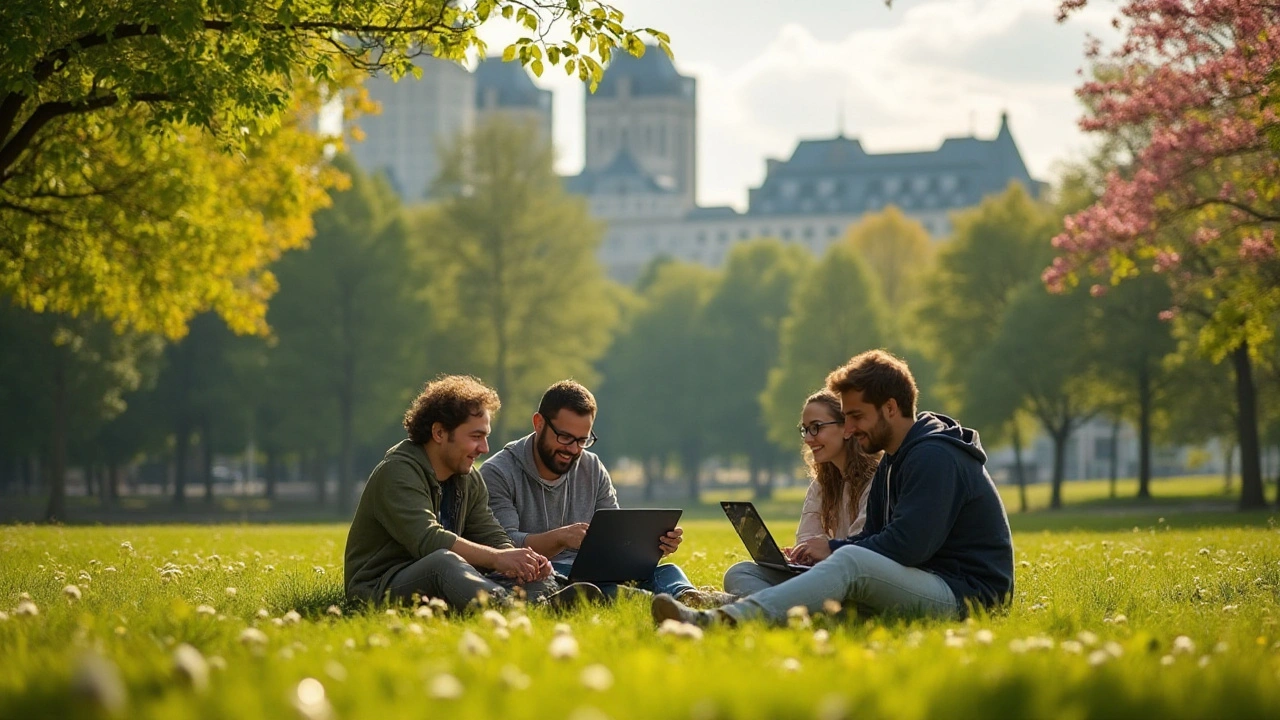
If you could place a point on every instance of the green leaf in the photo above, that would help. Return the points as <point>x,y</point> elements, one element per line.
<point>536,66</point>
<point>509,53</point>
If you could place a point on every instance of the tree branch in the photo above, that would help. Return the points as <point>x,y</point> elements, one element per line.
<point>46,113</point>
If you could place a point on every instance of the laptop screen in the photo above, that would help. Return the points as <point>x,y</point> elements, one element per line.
<point>754,534</point>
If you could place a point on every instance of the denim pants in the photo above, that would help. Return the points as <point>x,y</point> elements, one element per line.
<point>444,574</point>
<point>666,578</point>
<point>854,576</point>
<point>747,578</point>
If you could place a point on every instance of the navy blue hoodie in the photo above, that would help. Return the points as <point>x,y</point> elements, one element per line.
<point>933,506</point>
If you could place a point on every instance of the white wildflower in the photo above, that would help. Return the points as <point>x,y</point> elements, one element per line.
<point>126,546</point>
<point>97,680</point>
<point>472,645</point>
<point>438,605</point>
<point>109,569</point>
<point>1230,608</point>
<point>1087,638</point>
<point>1113,648</point>
<point>231,592</point>
<point>791,664</point>
<point>562,629</point>
<point>1098,657</point>
<point>1167,660</point>
<point>445,687</point>
<point>206,610</point>
<point>1204,661</point>
<point>414,628</point>
<point>495,619</point>
<point>596,677</point>
<point>522,623</point>
<point>253,636</point>
<point>1183,644</point>
<point>984,636</point>
<point>72,592</point>
<point>563,647</point>
<point>423,611</point>
<point>263,614</point>
<point>334,610</point>
<point>310,701</point>
<point>317,569</point>
<point>513,678</point>
<point>292,618</point>
<point>191,666</point>
<point>676,628</point>
<point>26,607</point>
<point>831,606</point>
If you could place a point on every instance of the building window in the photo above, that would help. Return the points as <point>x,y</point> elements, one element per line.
<point>786,233</point>
<point>789,190</point>
<point>743,234</point>
<point>920,183</point>
<point>833,231</point>
<point>826,187</point>
<point>808,232</point>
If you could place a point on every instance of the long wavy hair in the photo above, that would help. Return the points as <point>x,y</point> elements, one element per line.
<point>859,468</point>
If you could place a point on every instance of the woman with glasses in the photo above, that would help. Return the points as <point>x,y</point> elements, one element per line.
<point>836,502</point>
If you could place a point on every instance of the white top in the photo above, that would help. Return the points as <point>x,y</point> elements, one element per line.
<point>811,515</point>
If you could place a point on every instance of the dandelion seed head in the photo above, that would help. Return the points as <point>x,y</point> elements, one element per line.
<point>72,592</point>
<point>513,678</point>
<point>472,645</point>
<point>334,610</point>
<point>563,647</point>
<point>596,677</point>
<point>1183,644</point>
<point>26,608</point>
<point>445,687</point>
<point>98,681</point>
<point>292,618</point>
<point>253,636</point>
<point>191,667</point>
<point>310,701</point>
<point>495,619</point>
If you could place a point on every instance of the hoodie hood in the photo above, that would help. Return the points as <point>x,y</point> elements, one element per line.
<point>934,427</point>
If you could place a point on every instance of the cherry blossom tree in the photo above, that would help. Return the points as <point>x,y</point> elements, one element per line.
<point>1200,200</point>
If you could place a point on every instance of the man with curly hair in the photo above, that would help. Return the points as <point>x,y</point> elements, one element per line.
<point>423,526</point>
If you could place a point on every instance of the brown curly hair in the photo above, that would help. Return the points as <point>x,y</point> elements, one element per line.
<point>448,400</point>
<point>878,375</point>
<point>859,468</point>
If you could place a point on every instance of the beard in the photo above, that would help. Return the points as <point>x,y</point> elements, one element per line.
<point>876,439</point>
<point>547,449</point>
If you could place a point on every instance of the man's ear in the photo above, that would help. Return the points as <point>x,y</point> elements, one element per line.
<point>891,409</point>
<point>438,433</point>
<point>538,422</point>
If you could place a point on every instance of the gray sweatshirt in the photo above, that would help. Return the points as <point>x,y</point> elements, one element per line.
<point>526,504</point>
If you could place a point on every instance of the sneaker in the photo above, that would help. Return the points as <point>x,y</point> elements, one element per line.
<point>706,598</point>
<point>570,596</point>
<point>665,607</point>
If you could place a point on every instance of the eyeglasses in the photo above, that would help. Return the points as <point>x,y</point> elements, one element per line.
<point>567,439</point>
<point>813,428</point>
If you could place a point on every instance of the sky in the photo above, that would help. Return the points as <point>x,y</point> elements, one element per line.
<point>773,72</point>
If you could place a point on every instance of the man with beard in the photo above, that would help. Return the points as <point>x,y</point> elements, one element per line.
<point>423,526</point>
<point>936,540</point>
<point>544,488</point>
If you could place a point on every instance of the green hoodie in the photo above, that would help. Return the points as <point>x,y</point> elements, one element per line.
<point>396,525</point>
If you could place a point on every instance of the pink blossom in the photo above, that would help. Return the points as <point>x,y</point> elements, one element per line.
<point>1258,248</point>
<point>1098,291</point>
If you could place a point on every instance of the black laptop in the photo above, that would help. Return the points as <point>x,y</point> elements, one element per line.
<point>622,545</point>
<point>760,543</point>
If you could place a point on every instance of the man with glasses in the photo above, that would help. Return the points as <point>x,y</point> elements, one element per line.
<point>544,488</point>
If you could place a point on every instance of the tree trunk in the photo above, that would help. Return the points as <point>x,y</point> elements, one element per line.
<point>1251,492</point>
<point>181,449</point>
<point>273,468</point>
<point>1059,465</point>
<point>113,481</point>
<point>690,461</point>
<point>1115,455</point>
<point>1145,401</point>
<point>1228,468</point>
<point>57,509</point>
<point>1020,468</point>
<point>206,459</point>
<point>30,470</point>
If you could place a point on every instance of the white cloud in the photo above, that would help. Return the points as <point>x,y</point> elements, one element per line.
<point>926,71</point>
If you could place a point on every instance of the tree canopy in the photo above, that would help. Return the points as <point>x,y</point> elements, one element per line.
<point>155,158</point>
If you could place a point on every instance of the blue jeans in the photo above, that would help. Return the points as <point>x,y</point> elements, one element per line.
<point>852,575</point>
<point>444,574</point>
<point>667,578</point>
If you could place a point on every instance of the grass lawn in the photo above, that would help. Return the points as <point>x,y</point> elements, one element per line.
<point>1117,614</point>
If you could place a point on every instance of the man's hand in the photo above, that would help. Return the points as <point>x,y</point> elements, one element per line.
<point>521,564</point>
<point>671,541</point>
<point>570,536</point>
<point>810,551</point>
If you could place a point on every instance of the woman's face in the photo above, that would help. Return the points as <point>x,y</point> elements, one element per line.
<point>828,444</point>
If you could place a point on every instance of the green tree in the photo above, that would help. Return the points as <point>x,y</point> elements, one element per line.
<point>348,326</point>
<point>1042,360</point>
<point>63,378</point>
<point>835,313</point>
<point>657,372</point>
<point>744,320</point>
<point>518,295</point>
<point>898,252</point>
<point>152,157</point>
<point>998,248</point>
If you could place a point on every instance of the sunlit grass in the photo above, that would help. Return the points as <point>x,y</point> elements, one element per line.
<point>1163,619</point>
